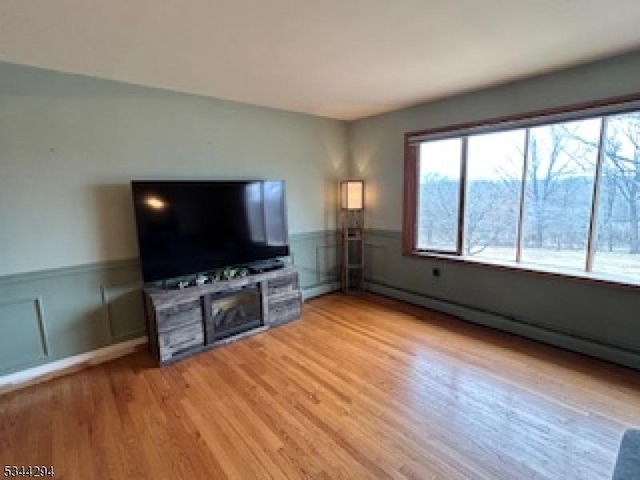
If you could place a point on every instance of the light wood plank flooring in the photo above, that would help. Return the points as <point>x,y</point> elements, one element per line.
<point>361,387</point>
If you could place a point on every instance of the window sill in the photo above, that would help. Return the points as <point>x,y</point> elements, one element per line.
<point>537,270</point>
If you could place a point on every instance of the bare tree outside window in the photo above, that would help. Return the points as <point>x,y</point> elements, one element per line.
<point>618,241</point>
<point>439,195</point>
<point>494,178</point>
<point>558,193</point>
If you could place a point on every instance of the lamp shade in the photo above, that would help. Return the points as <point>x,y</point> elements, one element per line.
<point>352,195</point>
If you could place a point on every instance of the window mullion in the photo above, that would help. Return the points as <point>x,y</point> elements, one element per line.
<point>463,194</point>
<point>416,180</point>
<point>523,186</point>
<point>593,221</point>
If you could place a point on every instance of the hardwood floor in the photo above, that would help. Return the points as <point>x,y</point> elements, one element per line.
<point>360,387</point>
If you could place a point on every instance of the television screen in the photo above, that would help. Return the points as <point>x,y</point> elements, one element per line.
<point>193,227</point>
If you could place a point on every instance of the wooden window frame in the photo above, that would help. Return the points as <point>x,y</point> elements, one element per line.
<point>600,108</point>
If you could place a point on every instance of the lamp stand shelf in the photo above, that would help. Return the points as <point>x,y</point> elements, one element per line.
<point>352,250</point>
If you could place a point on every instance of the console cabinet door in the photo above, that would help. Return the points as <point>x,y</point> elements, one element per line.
<point>180,340</point>
<point>283,309</point>
<point>179,315</point>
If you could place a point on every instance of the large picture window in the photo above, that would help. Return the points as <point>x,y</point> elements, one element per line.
<point>559,191</point>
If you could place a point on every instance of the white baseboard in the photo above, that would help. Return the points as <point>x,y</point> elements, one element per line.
<point>65,366</point>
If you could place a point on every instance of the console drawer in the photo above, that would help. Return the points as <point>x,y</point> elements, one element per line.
<point>179,315</point>
<point>180,340</point>
<point>284,310</point>
<point>285,283</point>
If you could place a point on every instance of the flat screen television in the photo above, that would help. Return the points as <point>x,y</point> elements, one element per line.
<point>188,227</point>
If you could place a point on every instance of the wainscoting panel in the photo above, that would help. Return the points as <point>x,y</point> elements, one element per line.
<point>58,313</point>
<point>316,255</point>
<point>124,310</point>
<point>68,311</point>
<point>23,338</point>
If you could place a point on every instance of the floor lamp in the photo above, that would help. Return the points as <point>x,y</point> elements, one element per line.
<point>352,226</point>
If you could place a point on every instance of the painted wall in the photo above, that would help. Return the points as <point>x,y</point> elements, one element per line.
<point>69,146</point>
<point>597,313</point>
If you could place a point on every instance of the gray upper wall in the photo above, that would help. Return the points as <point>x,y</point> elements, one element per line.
<point>376,143</point>
<point>70,145</point>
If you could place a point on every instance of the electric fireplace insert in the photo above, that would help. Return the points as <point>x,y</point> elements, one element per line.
<point>232,312</point>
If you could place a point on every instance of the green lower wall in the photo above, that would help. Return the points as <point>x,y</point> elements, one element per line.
<point>53,314</point>
<point>553,310</point>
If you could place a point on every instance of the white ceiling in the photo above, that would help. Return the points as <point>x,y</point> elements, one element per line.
<point>343,59</point>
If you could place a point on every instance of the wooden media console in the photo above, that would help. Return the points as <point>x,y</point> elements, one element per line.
<point>183,322</point>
